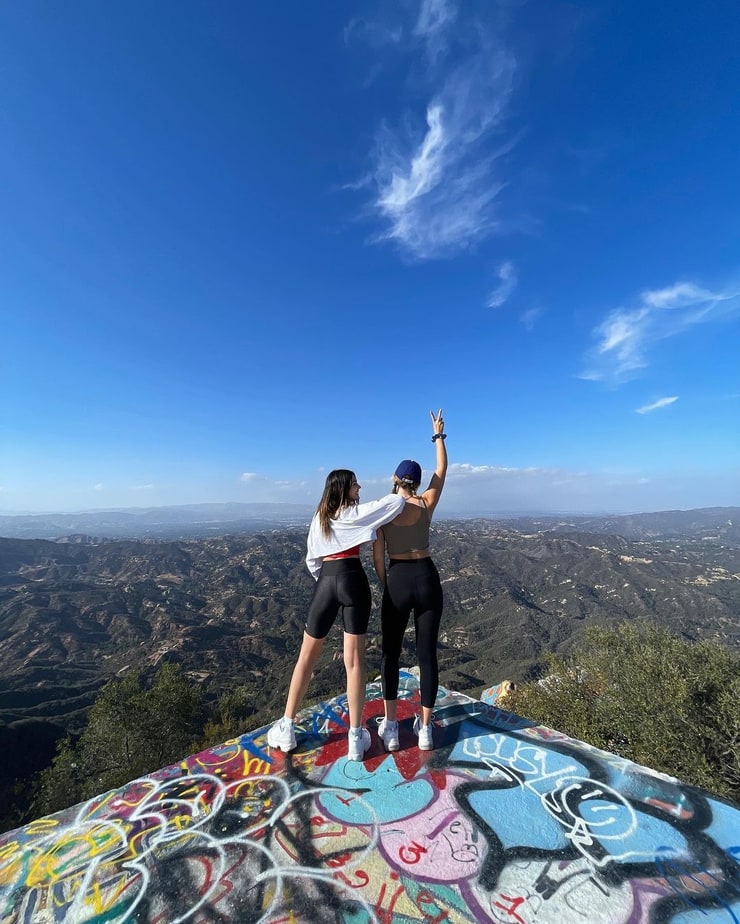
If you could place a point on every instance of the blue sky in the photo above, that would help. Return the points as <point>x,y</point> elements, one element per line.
<point>243,244</point>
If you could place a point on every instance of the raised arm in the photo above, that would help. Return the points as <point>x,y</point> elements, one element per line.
<point>434,491</point>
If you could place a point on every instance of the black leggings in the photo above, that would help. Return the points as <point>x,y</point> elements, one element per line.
<point>342,589</point>
<point>411,585</point>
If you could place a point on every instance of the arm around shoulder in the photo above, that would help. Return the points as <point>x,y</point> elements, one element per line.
<point>377,513</point>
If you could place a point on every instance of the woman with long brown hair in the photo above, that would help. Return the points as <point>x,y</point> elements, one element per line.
<point>339,527</point>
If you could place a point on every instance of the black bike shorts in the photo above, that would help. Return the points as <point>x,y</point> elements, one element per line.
<point>341,590</point>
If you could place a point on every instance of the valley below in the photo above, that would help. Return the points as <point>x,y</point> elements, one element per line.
<point>78,611</point>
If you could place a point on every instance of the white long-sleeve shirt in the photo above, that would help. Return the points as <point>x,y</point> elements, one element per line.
<point>353,526</point>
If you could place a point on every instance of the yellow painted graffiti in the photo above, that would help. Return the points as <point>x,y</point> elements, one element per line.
<point>101,900</point>
<point>255,766</point>
<point>72,853</point>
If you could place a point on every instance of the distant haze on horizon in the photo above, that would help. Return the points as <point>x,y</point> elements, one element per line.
<point>246,244</point>
<point>478,493</point>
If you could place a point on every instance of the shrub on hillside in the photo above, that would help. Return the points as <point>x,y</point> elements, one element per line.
<point>132,729</point>
<point>642,693</point>
<point>230,716</point>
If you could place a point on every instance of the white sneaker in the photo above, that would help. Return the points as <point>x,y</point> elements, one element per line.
<point>359,742</point>
<point>388,731</point>
<point>282,735</point>
<point>424,733</point>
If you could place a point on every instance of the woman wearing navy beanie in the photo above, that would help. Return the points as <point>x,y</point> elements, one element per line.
<point>411,583</point>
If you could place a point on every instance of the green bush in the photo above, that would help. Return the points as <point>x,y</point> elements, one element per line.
<point>230,716</point>
<point>132,729</point>
<point>642,693</point>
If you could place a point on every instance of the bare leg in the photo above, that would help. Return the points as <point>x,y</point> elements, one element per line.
<point>390,709</point>
<point>354,663</point>
<point>302,673</point>
<point>426,715</point>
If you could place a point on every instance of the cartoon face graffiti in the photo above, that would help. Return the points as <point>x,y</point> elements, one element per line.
<point>439,843</point>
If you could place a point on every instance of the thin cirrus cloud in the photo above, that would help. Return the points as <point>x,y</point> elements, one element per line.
<point>435,184</point>
<point>372,33</point>
<point>269,483</point>
<point>657,405</point>
<point>537,491</point>
<point>626,336</point>
<point>507,282</point>
<point>529,317</point>
<point>435,18</point>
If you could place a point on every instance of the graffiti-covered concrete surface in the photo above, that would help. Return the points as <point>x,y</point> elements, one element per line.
<point>502,822</point>
<point>495,695</point>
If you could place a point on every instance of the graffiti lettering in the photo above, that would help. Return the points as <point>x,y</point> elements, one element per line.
<point>510,823</point>
<point>411,854</point>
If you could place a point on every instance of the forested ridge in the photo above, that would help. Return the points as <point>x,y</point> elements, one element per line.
<point>228,612</point>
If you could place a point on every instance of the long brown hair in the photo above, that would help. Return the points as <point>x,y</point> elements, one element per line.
<point>335,496</point>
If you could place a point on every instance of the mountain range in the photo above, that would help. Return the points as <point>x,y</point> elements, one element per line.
<point>189,520</point>
<point>229,608</point>
<point>204,520</point>
<point>80,609</point>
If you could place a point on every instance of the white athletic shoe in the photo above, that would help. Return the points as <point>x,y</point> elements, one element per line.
<point>359,742</point>
<point>424,733</point>
<point>388,731</point>
<point>282,735</point>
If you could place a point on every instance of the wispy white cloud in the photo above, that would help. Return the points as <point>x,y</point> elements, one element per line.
<point>679,295</point>
<point>435,18</point>
<point>434,180</point>
<point>142,487</point>
<point>476,490</point>
<point>267,485</point>
<point>98,487</point>
<point>372,32</point>
<point>396,25</point>
<point>656,405</point>
<point>465,469</point>
<point>530,316</point>
<point>259,488</point>
<point>507,277</point>
<point>626,335</point>
<point>530,489</point>
<point>620,350</point>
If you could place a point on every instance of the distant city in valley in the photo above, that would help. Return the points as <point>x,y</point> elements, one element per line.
<point>204,520</point>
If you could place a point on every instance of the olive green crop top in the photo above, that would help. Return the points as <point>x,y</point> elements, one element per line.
<point>411,538</point>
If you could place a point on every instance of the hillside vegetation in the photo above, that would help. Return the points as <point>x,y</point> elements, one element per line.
<point>636,691</point>
<point>655,699</point>
<point>228,611</point>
